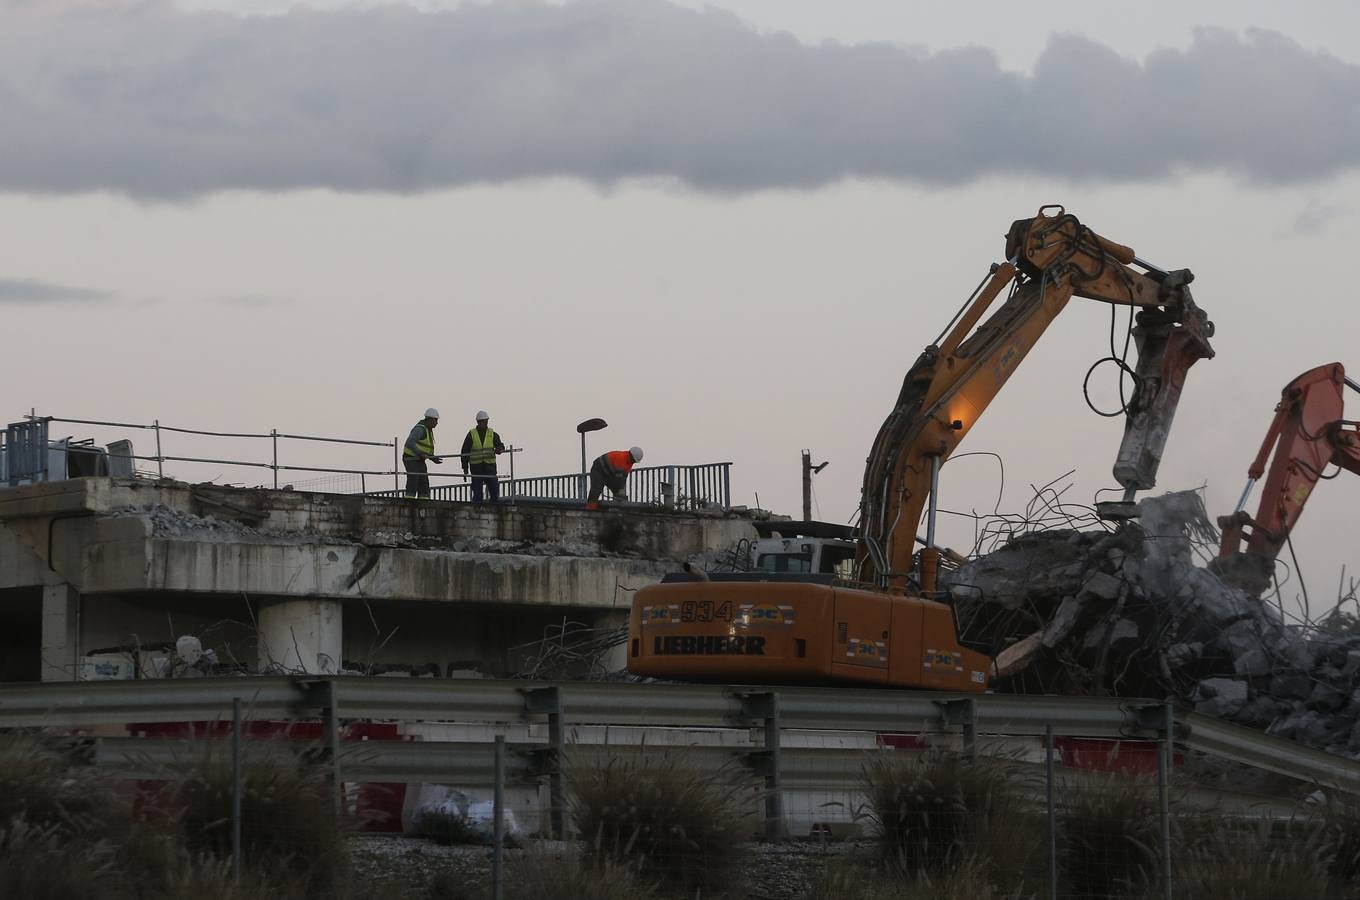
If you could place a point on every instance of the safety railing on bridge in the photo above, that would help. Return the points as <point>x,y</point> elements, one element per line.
<point>705,486</point>
<point>28,448</point>
<point>28,451</point>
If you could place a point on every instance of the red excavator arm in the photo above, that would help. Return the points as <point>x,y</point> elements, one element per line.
<point>1307,434</point>
<point>1050,259</point>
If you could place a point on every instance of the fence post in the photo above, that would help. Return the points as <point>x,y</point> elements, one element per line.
<point>235,789</point>
<point>962,712</point>
<point>769,761</point>
<point>396,465</point>
<point>274,434</point>
<point>1052,815</point>
<point>1165,763</point>
<point>333,741</point>
<point>498,829</point>
<point>727,485</point>
<point>549,700</point>
<point>160,461</point>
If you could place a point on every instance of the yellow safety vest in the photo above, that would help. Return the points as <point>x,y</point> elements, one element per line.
<point>483,450</point>
<point>425,445</point>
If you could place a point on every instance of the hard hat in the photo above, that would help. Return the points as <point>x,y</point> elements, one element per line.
<point>482,416</point>
<point>431,413</point>
<point>636,453</point>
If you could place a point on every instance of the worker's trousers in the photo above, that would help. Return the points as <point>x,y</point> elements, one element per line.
<point>484,482</point>
<point>601,477</point>
<point>417,478</point>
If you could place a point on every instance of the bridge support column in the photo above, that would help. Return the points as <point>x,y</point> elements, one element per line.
<point>301,636</point>
<point>60,633</point>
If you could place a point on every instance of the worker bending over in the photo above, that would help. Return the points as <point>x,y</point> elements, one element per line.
<point>611,470</point>
<point>419,448</point>
<point>480,449</point>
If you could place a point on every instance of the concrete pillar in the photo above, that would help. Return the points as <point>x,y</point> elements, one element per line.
<point>301,636</point>
<point>616,658</point>
<point>60,633</point>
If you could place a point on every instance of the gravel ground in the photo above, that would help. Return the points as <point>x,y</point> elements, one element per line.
<point>780,871</point>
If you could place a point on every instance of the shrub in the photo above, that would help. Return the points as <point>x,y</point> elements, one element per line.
<point>39,862</point>
<point>1108,834</point>
<point>1340,844</point>
<point>673,823</point>
<point>39,786</point>
<point>1235,865</point>
<point>541,876</point>
<point>850,879</point>
<point>288,829</point>
<point>932,812</point>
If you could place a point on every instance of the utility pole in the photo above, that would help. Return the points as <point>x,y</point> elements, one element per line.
<point>808,471</point>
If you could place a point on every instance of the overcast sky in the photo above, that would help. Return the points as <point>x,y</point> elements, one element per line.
<point>727,227</point>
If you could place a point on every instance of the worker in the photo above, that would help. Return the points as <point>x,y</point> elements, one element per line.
<point>611,470</point>
<point>480,449</point>
<point>418,450</point>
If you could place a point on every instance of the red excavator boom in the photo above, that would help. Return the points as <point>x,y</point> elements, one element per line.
<point>1307,434</point>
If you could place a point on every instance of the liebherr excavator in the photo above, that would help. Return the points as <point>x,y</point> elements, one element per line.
<point>1307,434</point>
<point>891,629</point>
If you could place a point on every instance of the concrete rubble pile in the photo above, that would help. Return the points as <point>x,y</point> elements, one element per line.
<point>1131,613</point>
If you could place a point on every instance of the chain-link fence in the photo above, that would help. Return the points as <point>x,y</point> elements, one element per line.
<point>297,809</point>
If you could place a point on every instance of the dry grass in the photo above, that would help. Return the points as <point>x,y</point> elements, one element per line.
<point>674,824</point>
<point>850,879</point>
<point>936,813</point>
<point>1108,834</point>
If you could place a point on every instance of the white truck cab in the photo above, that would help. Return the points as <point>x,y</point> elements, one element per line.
<point>804,548</point>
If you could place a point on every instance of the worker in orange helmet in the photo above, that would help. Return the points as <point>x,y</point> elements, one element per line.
<point>611,470</point>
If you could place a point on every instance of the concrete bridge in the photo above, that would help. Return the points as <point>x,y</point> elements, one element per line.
<point>277,580</point>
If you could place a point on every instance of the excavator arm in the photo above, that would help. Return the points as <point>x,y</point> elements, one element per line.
<point>1307,434</point>
<point>1050,258</point>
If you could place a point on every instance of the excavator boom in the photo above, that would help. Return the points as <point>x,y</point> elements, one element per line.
<point>1051,258</point>
<point>759,627</point>
<point>1307,434</point>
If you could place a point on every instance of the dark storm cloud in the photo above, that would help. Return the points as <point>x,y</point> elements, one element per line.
<point>158,103</point>
<point>29,290</point>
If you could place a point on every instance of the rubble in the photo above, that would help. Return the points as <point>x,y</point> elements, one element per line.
<point>167,522</point>
<point>1131,613</point>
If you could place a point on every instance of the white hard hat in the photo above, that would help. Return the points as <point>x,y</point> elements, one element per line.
<point>482,416</point>
<point>636,453</point>
<point>431,413</point>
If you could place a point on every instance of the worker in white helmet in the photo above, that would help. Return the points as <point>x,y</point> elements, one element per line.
<point>610,470</point>
<point>418,450</point>
<point>480,449</point>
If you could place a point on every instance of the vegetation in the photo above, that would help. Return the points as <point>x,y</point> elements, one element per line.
<point>1108,834</point>
<point>667,820</point>
<point>936,814</point>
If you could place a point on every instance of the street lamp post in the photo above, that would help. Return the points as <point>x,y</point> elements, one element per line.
<point>586,426</point>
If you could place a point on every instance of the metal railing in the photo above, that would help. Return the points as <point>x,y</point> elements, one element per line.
<point>690,487</point>
<point>87,704</point>
<point>274,436</point>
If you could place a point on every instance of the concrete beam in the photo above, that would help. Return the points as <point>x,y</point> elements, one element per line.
<point>352,571</point>
<point>653,534</point>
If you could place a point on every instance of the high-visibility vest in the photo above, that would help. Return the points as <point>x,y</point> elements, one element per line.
<point>425,445</point>
<point>484,449</point>
<point>618,461</point>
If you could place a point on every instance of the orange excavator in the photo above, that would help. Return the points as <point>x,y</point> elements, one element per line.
<point>1307,434</point>
<point>889,627</point>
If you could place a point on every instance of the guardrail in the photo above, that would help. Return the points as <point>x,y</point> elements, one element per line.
<point>693,487</point>
<point>501,703</point>
<point>24,447</point>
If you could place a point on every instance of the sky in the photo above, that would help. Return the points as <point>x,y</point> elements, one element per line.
<point>727,228</point>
